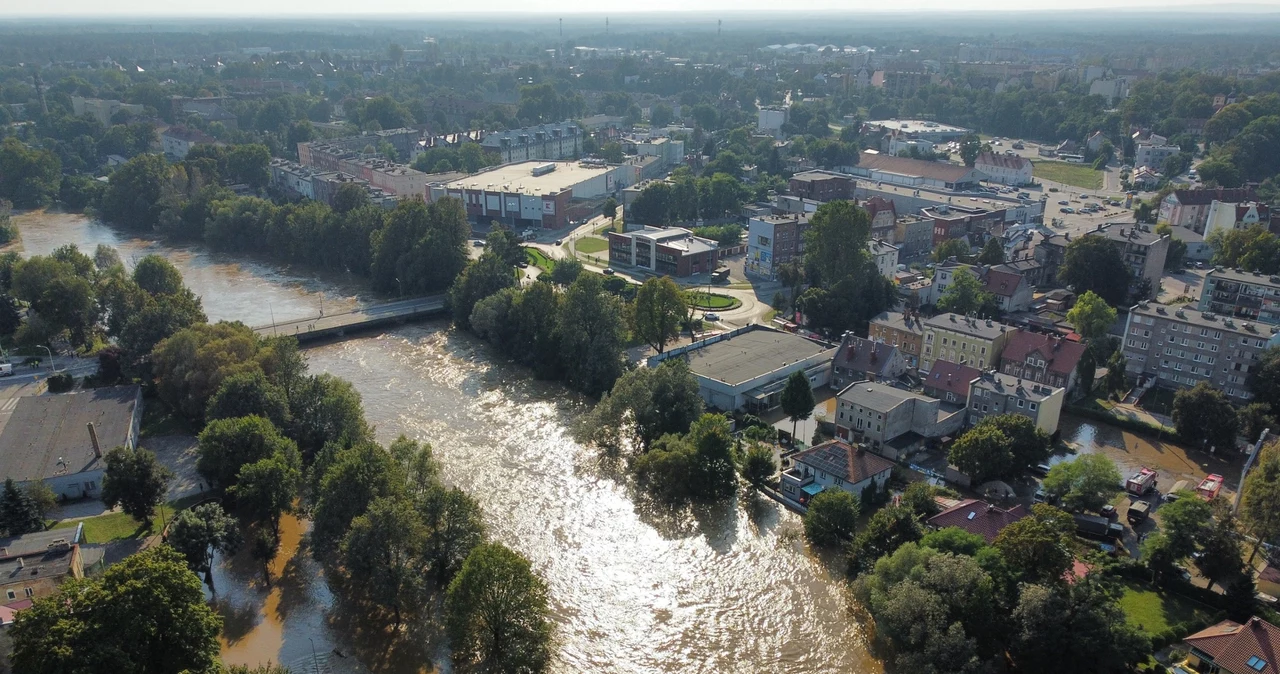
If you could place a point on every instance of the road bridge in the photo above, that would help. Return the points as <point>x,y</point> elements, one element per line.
<point>340,325</point>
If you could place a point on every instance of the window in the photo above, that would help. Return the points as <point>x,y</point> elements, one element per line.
<point>1256,663</point>
<point>984,408</point>
<point>975,404</point>
<point>1032,406</point>
<point>1020,404</point>
<point>1213,348</point>
<point>12,594</point>
<point>28,591</point>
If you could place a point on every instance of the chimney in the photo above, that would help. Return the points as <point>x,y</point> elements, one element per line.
<point>93,437</point>
<point>21,564</point>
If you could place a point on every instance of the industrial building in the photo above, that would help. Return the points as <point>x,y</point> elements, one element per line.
<point>919,128</point>
<point>916,172</point>
<point>533,193</point>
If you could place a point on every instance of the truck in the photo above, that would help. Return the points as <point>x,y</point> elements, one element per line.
<point>1100,528</point>
<point>1138,512</point>
<point>1209,487</point>
<point>1142,482</point>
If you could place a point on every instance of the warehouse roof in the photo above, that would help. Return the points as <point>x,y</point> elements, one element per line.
<point>47,435</point>
<point>748,355</point>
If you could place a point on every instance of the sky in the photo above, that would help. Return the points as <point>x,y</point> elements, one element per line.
<point>87,9</point>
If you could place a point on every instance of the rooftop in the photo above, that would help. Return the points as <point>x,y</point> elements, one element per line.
<point>812,176</point>
<point>674,237</point>
<point>1061,355</point>
<point>519,177</point>
<point>751,354</point>
<point>878,397</point>
<point>1191,316</point>
<point>43,554</point>
<point>839,459</point>
<point>1130,232</point>
<point>1240,276</point>
<point>984,328</point>
<point>977,517</point>
<point>864,355</point>
<point>1002,283</point>
<point>879,247</point>
<point>47,435</point>
<point>898,321</point>
<point>1003,161</point>
<point>1204,197</point>
<point>952,173</point>
<point>917,126</point>
<point>1251,647</point>
<point>1007,384</point>
<point>951,378</point>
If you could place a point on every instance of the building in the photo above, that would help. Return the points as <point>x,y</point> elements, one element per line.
<point>670,251</point>
<point>861,359</point>
<point>1042,359</point>
<point>177,141</point>
<point>884,216</point>
<point>1190,208</point>
<point>669,152</point>
<point>994,394</point>
<point>1015,209</point>
<point>821,186</point>
<point>949,382</point>
<point>1227,216</point>
<point>1241,294</point>
<point>963,340</point>
<point>1004,169</point>
<point>1179,348</point>
<point>916,172</point>
<point>1232,648</point>
<point>1143,250</point>
<point>954,222</point>
<point>546,141</point>
<point>905,331</point>
<point>1011,289</point>
<point>944,274</point>
<point>349,156</point>
<point>769,120</point>
<point>885,256</point>
<point>914,235</point>
<point>532,193</point>
<point>746,369</point>
<point>34,565</point>
<point>892,421</point>
<point>1113,90</point>
<point>774,240</point>
<point>918,128</point>
<point>102,109</point>
<point>834,464</point>
<point>1152,155</point>
<point>977,517</point>
<point>61,439</point>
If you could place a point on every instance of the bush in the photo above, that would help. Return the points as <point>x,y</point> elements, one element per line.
<point>61,383</point>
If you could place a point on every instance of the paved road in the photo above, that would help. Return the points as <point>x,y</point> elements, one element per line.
<point>339,320</point>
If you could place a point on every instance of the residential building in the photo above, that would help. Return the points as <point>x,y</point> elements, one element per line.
<point>1113,90</point>
<point>861,359</point>
<point>773,240</point>
<point>102,109</point>
<point>821,186</point>
<point>1148,154</point>
<point>884,216</point>
<point>885,256</point>
<point>1004,169</point>
<point>177,141</point>
<point>61,439</point>
<point>1227,216</point>
<point>747,368</point>
<point>1248,295</point>
<point>954,222</point>
<point>994,394</point>
<point>904,331</point>
<point>1142,250</point>
<point>669,152</point>
<point>769,120</point>
<point>890,420</point>
<point>916,172</point>
<point>964,340</point>
<point>547,141</point>
<point>1043,359</point>
<point>1179,348</point>
<point>1051,253</point>
<point>1026,267</point>
<point>1095,140</point>
<point>833,465</point>
<point>914,235</point>
<point>34,565</point>
<point>977,517</point>
<point>1233,648</point>
<point>944,274</point>
<point>536,194</point>
<point>949,382</point>
<point>1011,289</point>
<point>1190,208</point>
<point>670,251</point>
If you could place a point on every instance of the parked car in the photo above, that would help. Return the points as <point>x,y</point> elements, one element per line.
<point>559,241</point>
<point>1041,469</point>
<point>711,317</point>
<point>522,264</point>
<point>608,271</point>
<point>6,369</point>
<point>1109,511</point>
<point>1064,202</point>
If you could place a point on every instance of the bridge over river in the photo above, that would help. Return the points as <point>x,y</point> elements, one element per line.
<point>336,326</point>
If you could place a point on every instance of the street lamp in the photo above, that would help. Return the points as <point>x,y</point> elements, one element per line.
<point>53,368</point>
<point>314,660</point>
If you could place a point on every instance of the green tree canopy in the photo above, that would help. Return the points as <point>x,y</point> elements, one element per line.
<point>1092,317</point>
<point>497,614</point>
<point>201,532</point>
<point>966,296</point>
<point>658,309</point>
<point>227,445</point>
<point>19,513</point>
<point>135,481</point>
<point>1203,416</point>
<point>1038,547</point>
<point>797,399</point>
<point>1093,263</point>
<point>831,518</point>
<point>1085,483</point>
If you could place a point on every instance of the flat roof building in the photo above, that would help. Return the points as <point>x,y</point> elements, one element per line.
<point>532,193</point>
<point>1251,296</point>
<point>920,128</point>
<point>916,172</point>
<point>671,251</point>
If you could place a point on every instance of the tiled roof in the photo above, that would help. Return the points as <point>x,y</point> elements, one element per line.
<point>1061,355</point>
<point>978,517</point>
<point>897,321</point>
<point>1232,646</point>
<point>1002,283</point>
<point>1204,197</point>
<point>864,355</point>
<point>1001,160</point>
<point>837,458</point>
<point>951,173</point>
<point>952,378</point>
<point>876,204</point>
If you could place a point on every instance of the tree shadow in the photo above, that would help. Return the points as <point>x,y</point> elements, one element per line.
<point>366,632</point>
<point>238,618</point>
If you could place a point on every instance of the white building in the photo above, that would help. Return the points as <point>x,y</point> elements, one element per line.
<point>834,465</point>
<point>1148,154</point>
<point>994,394</point>
<point>773,240</point>
<point>770,120</point>
<point>1228,216</point>
<point>885,256</point>
<point>671,152</point>
<point>177,141</point>
<point>1005,169</point>
<point>1112,90</point>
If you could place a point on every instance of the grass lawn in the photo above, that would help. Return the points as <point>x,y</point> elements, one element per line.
<point>540,260</point>
<point>1080,175</point>
<point>714,301</point>
<point>1154,612</point>
<point>591,244</point>
<point>119,526</point>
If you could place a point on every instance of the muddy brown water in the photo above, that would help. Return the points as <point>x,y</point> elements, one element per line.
<point>634,588</point>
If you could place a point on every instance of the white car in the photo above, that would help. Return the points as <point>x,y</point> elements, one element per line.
<point>712,318</point>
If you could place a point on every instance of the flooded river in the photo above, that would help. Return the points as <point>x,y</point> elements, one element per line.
<point>718,589</point>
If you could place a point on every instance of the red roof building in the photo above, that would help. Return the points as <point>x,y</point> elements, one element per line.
<point>978,517</point>
<point>1232,648</point>
<point>949,382</point>
<point>1042,359</point>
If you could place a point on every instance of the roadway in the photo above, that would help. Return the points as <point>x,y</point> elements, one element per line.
<point>354,319</point>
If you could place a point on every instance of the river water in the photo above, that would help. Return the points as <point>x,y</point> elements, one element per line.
<point>727,588</point>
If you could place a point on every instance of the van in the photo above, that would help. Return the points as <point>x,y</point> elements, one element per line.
<point>6,369</point>
<point>1172,494</point>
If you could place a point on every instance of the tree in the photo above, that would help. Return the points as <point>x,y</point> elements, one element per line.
<point>887,530</point>
<point>265,489</point>
<point>591,335</point>
<point>659,307</point>
<point>992,252</point>
<point>836,242</point>
<point>29,177</point>
<point>1220,552</point>
<point>758,466</point>
<point>42,495</point>
<point>201,532</point>
<point>138,192</point>
<point>382,554</point>
<point>145,614</point>
<point>504,243</point>
<point>1260,500</point>
<point>1204,417</point>
<point>326,409</point>
<point>1092,317</point>
<point>135,481</point>
<point>1074,627</point>
<point>1264,380</point>
<point>650,403</point>
<point>1241,598</point>
<point>264,545</point>
<point>190,365</point>
<point>831,518</point>
<point>455,525</point>
<point>918,497</point>
<point>566,271</point>
<point>1085,483</point>
<point>1038,547</point>
<point>350,479</point>
<point>227,445</point>
<point>1255,418</point>
<point>157,276</point>
<point>954,540</point>
<point>970,148</point>
<point>1115,383</point>
<point>950,248</point>
<point>19,513</point>
<point>1093,263</point>
<point>481,279</point>
<point>497,614</point>
<point>983,453</point>
<point>797,399</point>
<point>966,296</point>
<point>59,292</point>
<point>1177,247</point>
<point>249,394</point>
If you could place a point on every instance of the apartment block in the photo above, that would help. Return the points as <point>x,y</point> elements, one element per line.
<point>963,340</point>
<point>821,186</point>
<point>774,240</point>
<point>994,394</point>
<point>1251,296</point>
<point>903,330</point>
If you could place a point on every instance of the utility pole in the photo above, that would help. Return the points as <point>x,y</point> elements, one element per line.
<point>562,29</point>
<point>1257,447</point>
<point>606,25</point>
<point>719,26</point>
